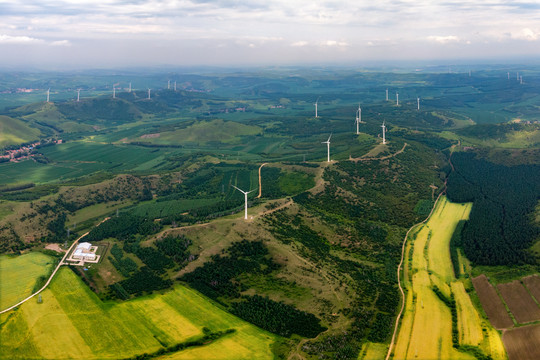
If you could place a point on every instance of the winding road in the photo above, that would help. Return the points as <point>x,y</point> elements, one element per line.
<point>53,273</point>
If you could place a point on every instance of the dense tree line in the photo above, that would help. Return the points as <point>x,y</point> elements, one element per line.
<point>277,317</point>
<point>142,281</point>
<point>500,226</point>
<point>123,226</point>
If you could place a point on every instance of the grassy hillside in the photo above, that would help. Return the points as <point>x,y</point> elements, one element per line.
<point>14,131</point>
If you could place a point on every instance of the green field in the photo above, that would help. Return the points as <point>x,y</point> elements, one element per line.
<point>426,327</point>
<point>73,323</point>
<point>18,275</point>
<point>13,131</point>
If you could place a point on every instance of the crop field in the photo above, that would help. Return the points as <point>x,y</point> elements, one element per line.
<point>523,343</point>
<point>77,159</point>
<point>173,207</point>
<point>18,276</point>
<point>533,285</point>
<point>520,303</point>
<point>425,312</point>
<point>492,304</point>
<point>73,323</point>
<point>469,323</point>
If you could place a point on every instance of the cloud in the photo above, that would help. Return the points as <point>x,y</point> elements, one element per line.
<point>300,43</point>
<point>335,43</point>
<point>444,39</point>
<point>61,43</point>
<point>8,39</point>
<point>526,34</point>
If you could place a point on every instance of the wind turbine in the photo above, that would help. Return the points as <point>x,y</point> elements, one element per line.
<point>78,94</point>
<point>508,75</point>
<point>168,84</point>
<point>316,103</point>
<point>175,86</point>
<point>114,92</point>
<point>397,99</point>
<point>418,103</point>
<point>521,79</point>
<point>245,199</point>
<point>129,87</point>
<point>48,92</point>
<point>383,133</point>
<point>358,119</point>
<point>386,94</point>
<point>149,93</point>
<point>327,142</point>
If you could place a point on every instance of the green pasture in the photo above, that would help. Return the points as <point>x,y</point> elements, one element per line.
<point>18,275</point>
<point>73,323</point>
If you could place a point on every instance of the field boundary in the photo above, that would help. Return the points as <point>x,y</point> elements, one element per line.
<point>399,276</point>
<point>54,272</point>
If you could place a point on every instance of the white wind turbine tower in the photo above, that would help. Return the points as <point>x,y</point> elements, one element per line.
<point>358,119</point>
<point>418,103</point>
<point>149,93</point>
<point>114,92</point>
<point>386,94</point>
<point>383,133</point>
<point>316,104</point>
<point>129,87</point>
<point>508,75</point>
<point>175,86</point>
<point>168,84</point>
<point>245,199</point>
<point>397,99</point>
<point>327,142</point>
<point>78,94</point>
<point>48,92</point>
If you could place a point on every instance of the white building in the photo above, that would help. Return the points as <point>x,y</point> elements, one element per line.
<point>84,251</point>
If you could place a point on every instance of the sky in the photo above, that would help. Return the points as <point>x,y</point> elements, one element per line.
<point>115,33</point>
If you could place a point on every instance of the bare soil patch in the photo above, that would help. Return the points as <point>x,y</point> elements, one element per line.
<point>522,343</point>
<point>520,303</point>
<point>533,284</point>
<point>492,304</point>
<point>55,247</point>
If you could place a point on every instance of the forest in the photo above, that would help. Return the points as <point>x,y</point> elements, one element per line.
<point>500,228</point>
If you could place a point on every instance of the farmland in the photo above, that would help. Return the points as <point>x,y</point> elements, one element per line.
<point>432,289</point>
<point>520,303</point>
<point>523,343</point>
<point>91,329</point>
<point>492,304</point>
<point>533,285</point>
<point>19,274</point>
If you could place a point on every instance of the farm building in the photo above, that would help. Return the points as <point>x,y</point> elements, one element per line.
<point>84,251</point>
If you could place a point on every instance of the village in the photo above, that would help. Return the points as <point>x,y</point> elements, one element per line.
<point>26,152</point>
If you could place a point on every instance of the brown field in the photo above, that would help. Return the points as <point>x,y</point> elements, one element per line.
<point>523,343</point>
<point>492,304</point>
<point>520,303</point>
<point>533,284</point>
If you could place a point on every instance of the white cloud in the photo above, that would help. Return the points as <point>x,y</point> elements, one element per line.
<point>8,39</point>
<point>526,34</point>
<point>61,43</point>
<point>335,43</point>
<point>444,39</point>
<point>300,43</point>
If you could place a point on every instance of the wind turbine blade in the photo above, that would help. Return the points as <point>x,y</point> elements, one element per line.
<point>251,191</point>
<point>242,191</point>
<point>329,138</point>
